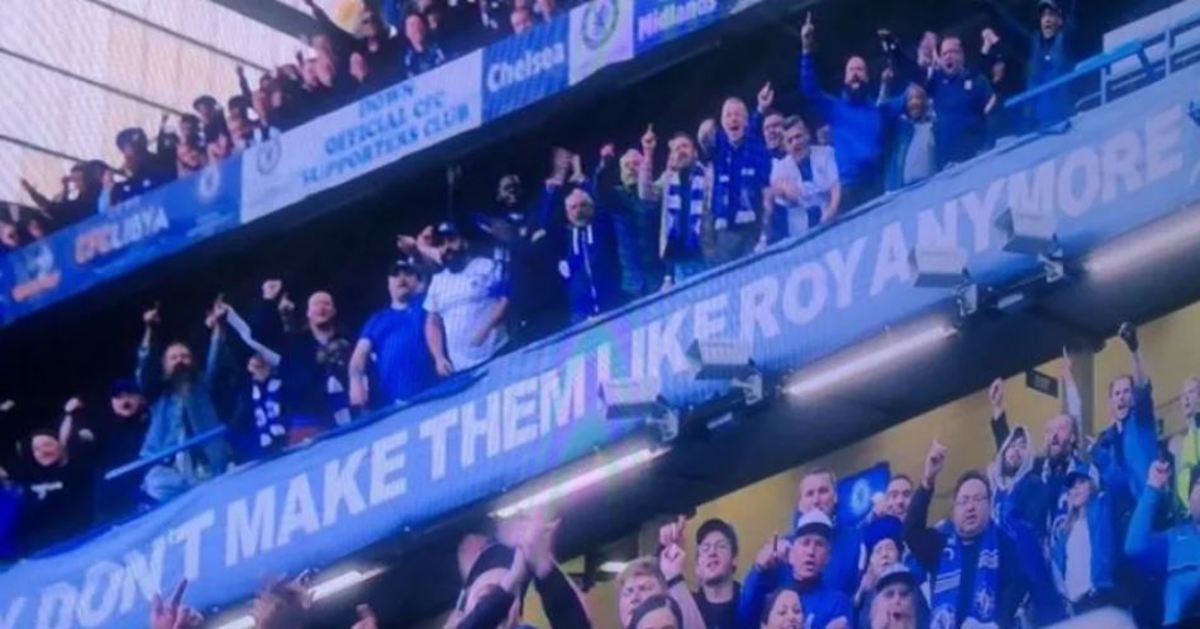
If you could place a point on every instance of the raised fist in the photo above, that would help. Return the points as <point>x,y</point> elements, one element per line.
<point>996,397</point>
<point>934,462</point>
<point>608,150</point>
<point>1160,474</point>
<point>766,96</point>
<point>649,141</point>
<point>151,317</point>
<point>773,553</point>
<point>271,289</point>
<point>73,405</point>
<point>1128,333</point>
<point>808,32</point>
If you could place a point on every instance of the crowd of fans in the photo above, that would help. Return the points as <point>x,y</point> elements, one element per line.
<point>393,40</point>
<point>485,282</point>
<point>1039,534</point>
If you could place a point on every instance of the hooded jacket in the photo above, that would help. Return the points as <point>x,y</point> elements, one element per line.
<point>1003,485</point>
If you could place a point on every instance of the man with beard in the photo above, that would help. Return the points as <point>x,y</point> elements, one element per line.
<point>980,571</point>
<point>119,437</point>
<point>313,364</point>
<point>858,121</point>
<point>181,408</point>
<point>799,562</point>
<point>818,492</point>
<point>716,564</point>
<point>467,302</point>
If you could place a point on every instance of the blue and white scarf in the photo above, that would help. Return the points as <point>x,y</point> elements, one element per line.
<point>269,426</point>
<point>948,578</point>
<point>684,209</point>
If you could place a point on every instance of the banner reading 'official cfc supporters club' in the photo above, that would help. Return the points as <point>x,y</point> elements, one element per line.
<point>362,137</point>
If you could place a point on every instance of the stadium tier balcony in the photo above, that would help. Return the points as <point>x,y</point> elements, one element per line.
<point>1002,245</point>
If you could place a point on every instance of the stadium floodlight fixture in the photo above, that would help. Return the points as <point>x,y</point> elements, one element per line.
<point>873,355</point>
<point>727,360</point>
<point>937,266</point>
<point>613,567</point>
<point>1164,239</point>
<point>631,398</point>
<point>580,482</point>
<point>720,359</point>
<point>1028,231</point>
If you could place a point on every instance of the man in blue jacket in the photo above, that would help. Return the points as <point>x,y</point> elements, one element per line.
<point>980,571</point>
<point>1173,554</point>
<point>962,100</point>
<point>799,562</point>
<point>1050,57</point>
<point>1083,544</point>
<point>1123,451</point>
<point>590,265</point>
<point>858,122</point>
<point>818,492</point>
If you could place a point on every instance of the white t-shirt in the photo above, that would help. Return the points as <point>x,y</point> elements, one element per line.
<point>1078,573</point>
<point>813,193</point>
<point>465,301</point>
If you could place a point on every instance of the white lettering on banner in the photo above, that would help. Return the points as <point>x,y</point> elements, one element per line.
<point>248,533</point>
<point>100,591</point>
<point>143,578</point>
<point>299,511</point>
<point>529,65</point>
<point>387,458</point>
<point>15,607</point>
<point>521,416</point>
<point>340,487</point>
<point>361,137</point>
<point>673,15</point>
<point>140,224</point>
<point>436,430</point>
<point>709,317</point>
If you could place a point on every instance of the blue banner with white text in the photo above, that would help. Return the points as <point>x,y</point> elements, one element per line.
<point>525,68</point>
<point>659,21</point>
<point>145,228</point>
<point>532,411</point>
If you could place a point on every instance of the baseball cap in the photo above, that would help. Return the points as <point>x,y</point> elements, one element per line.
<point>1079,469</point>
<point>896,573</point>
<point>129,136</point>
<point>815,521</point>
<point>123,386</point>
<point>881,528</point>
<point>403,265</point>
<point>445,230</point>
<point>1048,4</point>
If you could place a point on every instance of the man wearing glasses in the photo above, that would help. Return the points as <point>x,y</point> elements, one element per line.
<point>716,563</point>
<point>979,571</point>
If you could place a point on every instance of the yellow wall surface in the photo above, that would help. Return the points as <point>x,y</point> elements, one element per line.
<point>1171,347</point>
